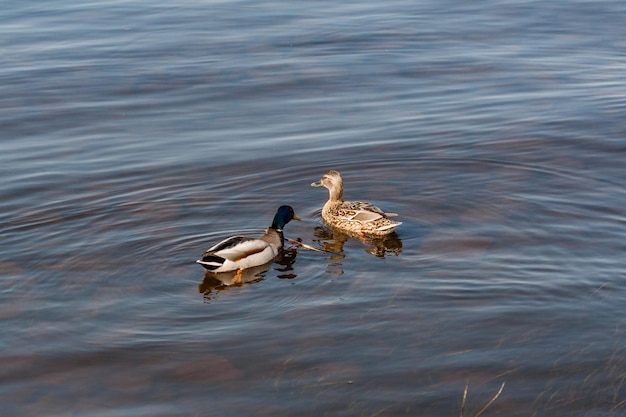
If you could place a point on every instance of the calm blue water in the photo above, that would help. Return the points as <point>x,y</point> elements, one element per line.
<point>135,135</point>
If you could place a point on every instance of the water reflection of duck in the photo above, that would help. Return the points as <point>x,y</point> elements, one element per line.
<point>222,280</point>
<point>286,260</point>
<point>357,217</point>
<point>333,240</point>
<point>238,253</point>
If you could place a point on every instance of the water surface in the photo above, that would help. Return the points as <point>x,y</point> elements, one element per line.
<point>135,136</point>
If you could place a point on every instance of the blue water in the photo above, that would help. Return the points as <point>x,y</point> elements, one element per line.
<point>135,135</point>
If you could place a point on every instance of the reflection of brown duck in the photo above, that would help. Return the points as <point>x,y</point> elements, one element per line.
<point>356,217</point>
<point>333,240</point>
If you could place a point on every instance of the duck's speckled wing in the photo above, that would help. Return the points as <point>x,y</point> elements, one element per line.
<point>360,211</point>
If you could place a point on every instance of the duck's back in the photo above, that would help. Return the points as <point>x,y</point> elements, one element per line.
<point>358,217</point>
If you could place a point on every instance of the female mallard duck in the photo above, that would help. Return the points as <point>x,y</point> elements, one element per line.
<point>237,253</point>
<point>353,217</point>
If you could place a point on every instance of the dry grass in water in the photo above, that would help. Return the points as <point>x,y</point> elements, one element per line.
<point>486,405</point>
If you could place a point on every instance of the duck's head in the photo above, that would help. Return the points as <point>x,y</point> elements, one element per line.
<point>331,180</point>
<point>284,215</point>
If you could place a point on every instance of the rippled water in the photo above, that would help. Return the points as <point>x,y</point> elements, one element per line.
<point>136,135</point>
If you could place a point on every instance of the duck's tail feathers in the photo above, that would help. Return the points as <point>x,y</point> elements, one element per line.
<point>389,226</point>
<point>211,262</point>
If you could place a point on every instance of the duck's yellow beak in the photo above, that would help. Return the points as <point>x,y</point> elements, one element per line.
<point>316,184</point>
<point>296,217</point>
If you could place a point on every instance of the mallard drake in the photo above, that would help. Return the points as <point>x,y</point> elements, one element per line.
<point>355,217</point>
<point>237,253</point>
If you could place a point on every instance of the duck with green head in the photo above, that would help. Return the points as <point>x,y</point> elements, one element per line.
<point>237,253</point>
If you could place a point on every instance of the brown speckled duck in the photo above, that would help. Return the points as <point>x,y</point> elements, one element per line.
<point>355,217</point>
